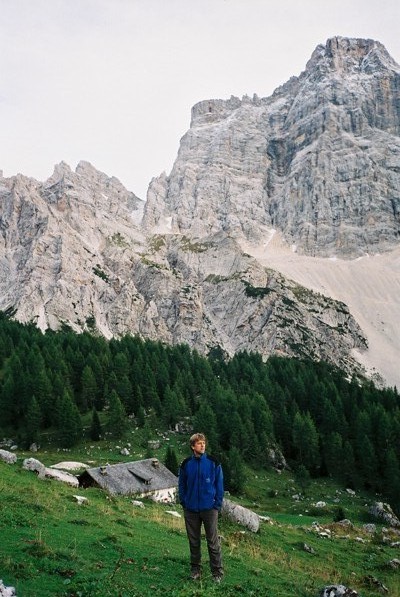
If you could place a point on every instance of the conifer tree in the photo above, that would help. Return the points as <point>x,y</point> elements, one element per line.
<point>95,427</point>
<point>88,391</point>
<point>171,460</point>
<point>234,470</point>
<point>368,465</point>
<point>8,405</point>
<point>123,388</point>
<point>43,391</point>
<point>117,420</point>
<point>68,421</point>
<point>141,417</point>
<point>33,419</point>
<point>391,479</point>
<point>305,440</point>
<point>120,363</point>
<point>14,399</point>
<point>348,471</point>
<point>333,454</point>
<point>303,478</point>
<point>205,421</point>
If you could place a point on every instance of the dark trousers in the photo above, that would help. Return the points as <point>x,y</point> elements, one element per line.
<point>193,522</point>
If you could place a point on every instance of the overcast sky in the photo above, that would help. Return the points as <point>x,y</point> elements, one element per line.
<point>113,81</point>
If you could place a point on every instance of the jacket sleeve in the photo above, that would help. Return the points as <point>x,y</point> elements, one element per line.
<point>219,488</point>
<point>182,485</point>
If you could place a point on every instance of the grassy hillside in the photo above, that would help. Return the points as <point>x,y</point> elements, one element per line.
<point>50,545</point>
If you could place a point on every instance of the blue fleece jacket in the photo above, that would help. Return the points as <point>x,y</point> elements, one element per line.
<point>201,484</point>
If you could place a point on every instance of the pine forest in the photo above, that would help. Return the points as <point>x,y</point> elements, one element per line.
<point>62,387</point>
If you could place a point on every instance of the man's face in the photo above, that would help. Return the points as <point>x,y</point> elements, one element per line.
<point>199,447</point>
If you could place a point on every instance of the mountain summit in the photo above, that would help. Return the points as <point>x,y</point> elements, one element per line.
<point>319,160</point>
<point>277,230</point>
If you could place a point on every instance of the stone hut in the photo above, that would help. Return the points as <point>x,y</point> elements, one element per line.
<point>142,478</point>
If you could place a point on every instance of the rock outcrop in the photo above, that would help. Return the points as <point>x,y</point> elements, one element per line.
<point>384,512</point>
<point>56,240</point>
<point>319,159</point>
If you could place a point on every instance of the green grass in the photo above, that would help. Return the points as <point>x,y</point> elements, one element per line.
<point>51,546</point>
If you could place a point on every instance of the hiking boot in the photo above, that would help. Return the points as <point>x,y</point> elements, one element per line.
<point>217,578</point>
<point>195,575</point>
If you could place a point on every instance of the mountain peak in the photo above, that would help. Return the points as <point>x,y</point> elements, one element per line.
<point>351,55</point>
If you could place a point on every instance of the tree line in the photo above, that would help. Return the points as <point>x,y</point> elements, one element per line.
<point>324,423</point>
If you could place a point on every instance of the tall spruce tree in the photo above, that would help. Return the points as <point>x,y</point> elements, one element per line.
<point>33,421</point>
<point>171,460</point>
<point>88,390</point>
<point>306,443</point>
<point>233,470</point>
<point>117,421</point>
<point>205,421</point>
<point>69,422</point>
<point>95,426</point>
<point>333,454</point>
<point>391,479</point>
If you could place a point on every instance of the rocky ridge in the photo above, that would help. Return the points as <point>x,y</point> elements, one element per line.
<point>316,165</point>
<point>319,160</point>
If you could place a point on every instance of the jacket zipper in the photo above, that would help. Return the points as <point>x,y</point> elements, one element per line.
<point>198,485</point>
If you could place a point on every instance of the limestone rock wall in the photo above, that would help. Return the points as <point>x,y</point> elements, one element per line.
<point>319,160</point>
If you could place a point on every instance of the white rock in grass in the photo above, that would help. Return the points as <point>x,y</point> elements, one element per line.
<point>8,457</point>
<point>173,513</point>
<point>69,465</point>
<point>32,464</point>
<point>338,591</point>
<point>61,476</point>
<point>7,591</point>
<point>138,503</point>
<point>80,499</point>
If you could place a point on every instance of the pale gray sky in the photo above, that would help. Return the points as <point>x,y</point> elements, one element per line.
<point>113,81</point>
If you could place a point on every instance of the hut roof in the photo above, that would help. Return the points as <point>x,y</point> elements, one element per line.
<point>141,476</point>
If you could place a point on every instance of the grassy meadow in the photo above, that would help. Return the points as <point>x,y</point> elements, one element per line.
<point>52,546</point>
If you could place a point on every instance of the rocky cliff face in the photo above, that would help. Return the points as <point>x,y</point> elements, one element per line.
<point>316,165</point>
<point>56,238</point>
<point>318,160</point>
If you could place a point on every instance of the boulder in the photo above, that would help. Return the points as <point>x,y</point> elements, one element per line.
<point>32,464</point>
<point>137,503</point>
<point>241,515</point>
<point>276,458</point>
<point>69,465</point>
<point>61,476</point>
<point>338,591</point>
<point>8,457</point>
<point>345,523</point>
<point>6,591</point>
<point>373,582</point>
<point>385,513</point>
<point>308,549</point>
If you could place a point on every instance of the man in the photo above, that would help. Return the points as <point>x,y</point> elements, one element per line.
<point>201,491</point>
